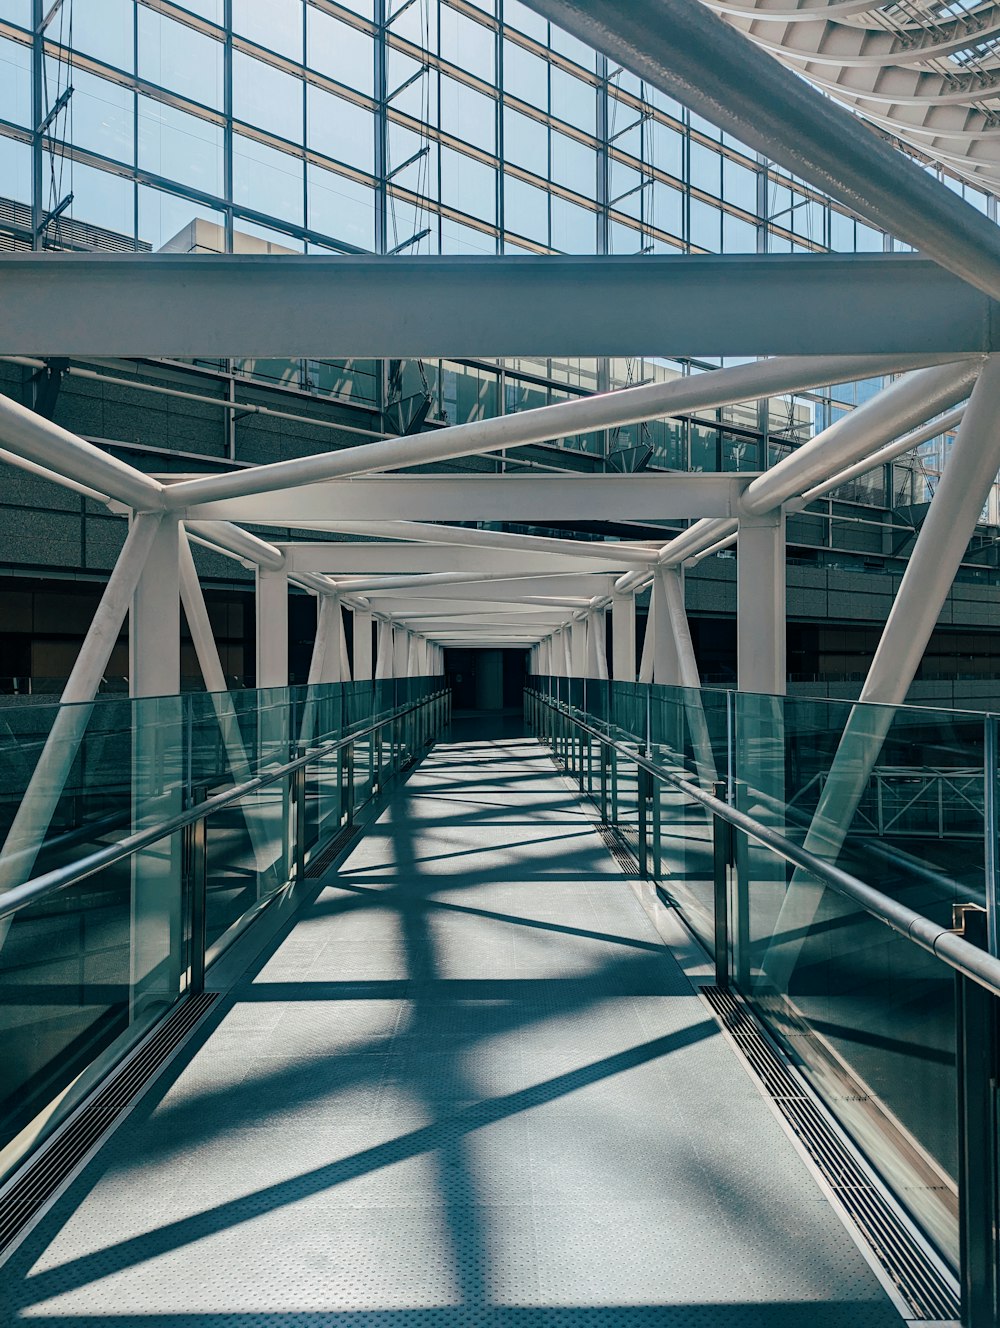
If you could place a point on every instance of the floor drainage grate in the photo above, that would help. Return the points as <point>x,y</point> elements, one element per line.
<point>329,855</point>
<point>41,1178</point>
<point>919,1282</point>
<point>618,847</point>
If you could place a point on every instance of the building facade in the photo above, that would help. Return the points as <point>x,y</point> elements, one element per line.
<point>421,127</point>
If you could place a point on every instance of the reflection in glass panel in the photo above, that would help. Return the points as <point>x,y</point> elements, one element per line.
<point>267,97</point>
<point>341,52</point>
<point>277,26</point>
<point>341,207</point>
<point>15,82</point>
<point>266,180</point>
<point>180,147</point>
<point>468,185</point>
<point>105,30</point>
<point>177,57</point>
<point>339,129</point>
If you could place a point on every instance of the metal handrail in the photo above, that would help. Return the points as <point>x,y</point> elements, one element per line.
<point>60,878</point>
<point>965,958</point>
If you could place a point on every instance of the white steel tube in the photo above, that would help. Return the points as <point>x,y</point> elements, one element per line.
<point>34,815</point>
<point>721,387</point>
<point>37,439</point>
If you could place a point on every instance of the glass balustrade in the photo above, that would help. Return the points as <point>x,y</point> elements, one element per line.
<point>87,968</point>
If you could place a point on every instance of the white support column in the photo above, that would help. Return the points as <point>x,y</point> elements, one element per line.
<point>272,628</point>
<point>386,651</point>
<point>317,660</point>
<point>345,659</point>
<point>666,665</point>
<point>158,773</point>
<point>155,618</point>
<point>673,593</point>
<point>578,648</point>
<point>400,652</point>
<point>258,810</point>
<point>648,642</point>
<point>623,636</point>
<point>566,652</point>
<point>760,604</point>
<point>597,655</point>
<point>362,645</point>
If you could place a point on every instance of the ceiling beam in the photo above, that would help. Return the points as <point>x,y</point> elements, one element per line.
<point>357,559</point>
<point>527,498</point>
<point>332,307</point>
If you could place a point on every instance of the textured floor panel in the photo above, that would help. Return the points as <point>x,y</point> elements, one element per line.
<point>469,1090</point>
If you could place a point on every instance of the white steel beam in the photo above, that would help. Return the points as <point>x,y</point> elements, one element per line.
<point>38,439</point>
<point>692,55</point>
<point>372,559</point>
<point>631,405</point>
<point>321,306</point>
<point>422,532</point>
<point>527,498</point>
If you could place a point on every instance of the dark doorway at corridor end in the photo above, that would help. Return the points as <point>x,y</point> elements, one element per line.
<point>483,680</point>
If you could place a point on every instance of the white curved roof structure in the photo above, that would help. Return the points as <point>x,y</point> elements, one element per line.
<point>927,73</point>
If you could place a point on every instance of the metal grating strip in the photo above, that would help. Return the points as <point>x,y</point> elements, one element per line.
<point>618,848</point>
<point>31,1188</point>
<point>328,855</point>
<point>915,1276</point>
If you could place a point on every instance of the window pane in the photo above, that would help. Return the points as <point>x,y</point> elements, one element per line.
<point>105,30</point>
<point>339,129</point>
<point>468,44</point>
<point>525,75</point>
<point>101,199</point>
<point>177,57</point>
<point>15,82</point>
<point>574,165</point>
<point>573,101</point>
<point>16,11</point>
<point>705,226</point>
<point>468,185</point>
<point>178,224</point>
<point>526,210</point>
<point>526,142</point>
<point>340,51</point>
<point>15,170</point>
<point>525,20</point>
<point>267,97</point>
<point>180,147</point>
<point>276,24</point>
<point>102,116</point>
<point>468,114</point>
<point>574,229</point>
<point>267,181</point>
<point>341,208</point>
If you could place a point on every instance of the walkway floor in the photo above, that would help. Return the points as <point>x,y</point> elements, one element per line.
<point>470,1089</point>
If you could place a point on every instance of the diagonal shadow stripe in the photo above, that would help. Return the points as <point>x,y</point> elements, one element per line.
<point>152,1244</point>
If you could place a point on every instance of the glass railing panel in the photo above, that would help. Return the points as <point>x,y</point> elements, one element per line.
<point>73,987</point>
<point>868,1014</point>
<point>247,851</point>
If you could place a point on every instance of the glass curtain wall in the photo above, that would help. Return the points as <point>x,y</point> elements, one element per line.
<point>396,126</point>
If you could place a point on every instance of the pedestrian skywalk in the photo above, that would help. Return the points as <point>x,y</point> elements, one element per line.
<point>468,1087</point>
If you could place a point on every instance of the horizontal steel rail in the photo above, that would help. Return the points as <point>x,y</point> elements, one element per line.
<point>61,878</point>
<point>969,960</point>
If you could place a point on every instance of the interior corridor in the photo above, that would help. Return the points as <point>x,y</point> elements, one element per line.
<point>468,1086</point>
